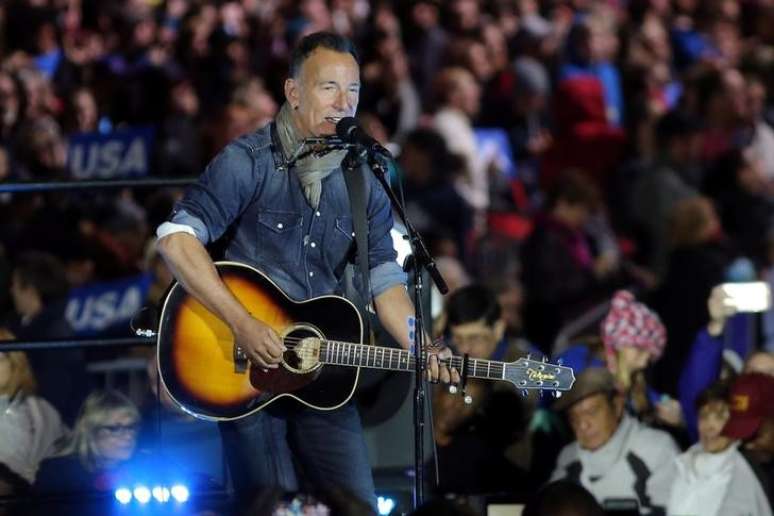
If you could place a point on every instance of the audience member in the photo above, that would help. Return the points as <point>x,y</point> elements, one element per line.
<point>482,446</point>
<point>30,426</point>
<point>103,443</point>
<point>39,290</point>
<point>561,272</point>
<point>698,261</point>
<point>458,96</point>
<point>712,478</point>
<point>614,456</point>
<point>635,338</point>
<point>671,178</point>
<point>751,420</point>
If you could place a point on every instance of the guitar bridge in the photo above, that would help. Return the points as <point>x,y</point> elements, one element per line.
<point>240,360</point>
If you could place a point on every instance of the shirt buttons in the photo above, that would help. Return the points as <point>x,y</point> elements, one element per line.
<point>311,274</point>
<point>313,245</point>
<point>280,226</point>
<point>317,213</point>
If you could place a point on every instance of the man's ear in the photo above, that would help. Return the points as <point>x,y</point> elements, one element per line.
<point>292,95</point>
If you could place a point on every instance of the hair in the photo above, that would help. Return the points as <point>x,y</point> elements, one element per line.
<point>563,498</point>
<point>447,82</point>
<point>44,273</point>
<point>573,187</point>
<point>22,380</point>
<point>312,42</point>
<point>95,411</point>
<point>688,221</point>
<point>674,125</point>
<point>718,391</point>
<point>444,164</point>
<point>471,304</point>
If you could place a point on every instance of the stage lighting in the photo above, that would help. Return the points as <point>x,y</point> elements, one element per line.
<point>385,505</point>
<point>123,495</point>
<point>142,494</point>
<point>180,493</point>
<point>161,494</point>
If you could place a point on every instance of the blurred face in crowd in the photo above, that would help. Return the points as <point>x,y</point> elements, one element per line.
<point>116,438</point>
<point>326,90</point>
<point>466,14</point>
<point>595,419</point>
<point>467,93</point>
<point>477,339</point>
<point>573,214</point>
<point>761,362</point>
<point>712,418</point>
<point>85,107</point>
<point>425,15</point>
<point>9,100</point>
<point>25,298</point>
<point>756,96</point>
<point>634,358</point>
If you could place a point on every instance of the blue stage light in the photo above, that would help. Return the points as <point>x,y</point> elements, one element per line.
<point>385,505</point>
<point>123,495</point>
<point>161,494</point>
<point>180,493</point>
<point>142,494</point>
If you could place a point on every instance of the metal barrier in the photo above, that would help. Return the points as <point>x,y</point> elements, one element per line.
<point>57,186</point>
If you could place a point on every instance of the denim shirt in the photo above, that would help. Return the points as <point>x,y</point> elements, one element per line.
<point>276,230</point>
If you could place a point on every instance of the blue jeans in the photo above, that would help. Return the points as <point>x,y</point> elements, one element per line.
<point>328,447</point>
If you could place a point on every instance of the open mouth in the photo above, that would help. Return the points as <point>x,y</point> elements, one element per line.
<point>334,119</point>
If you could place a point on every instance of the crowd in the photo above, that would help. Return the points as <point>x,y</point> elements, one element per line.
<point>557,156</point>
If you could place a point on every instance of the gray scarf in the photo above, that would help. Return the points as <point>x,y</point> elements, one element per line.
<point>311,169</point>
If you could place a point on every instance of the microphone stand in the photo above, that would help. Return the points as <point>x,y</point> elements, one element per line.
<point>422,260</point>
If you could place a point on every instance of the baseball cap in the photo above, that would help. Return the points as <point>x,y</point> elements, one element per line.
<point>593,380</point>
<point>751,400</point>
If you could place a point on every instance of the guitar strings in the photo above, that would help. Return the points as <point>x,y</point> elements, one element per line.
<point>456,362</point>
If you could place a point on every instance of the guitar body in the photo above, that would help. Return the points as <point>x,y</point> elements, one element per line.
<point>205,373</point>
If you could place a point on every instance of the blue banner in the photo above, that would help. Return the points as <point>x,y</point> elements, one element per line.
<point>95,308</point>
<point>122,153</point>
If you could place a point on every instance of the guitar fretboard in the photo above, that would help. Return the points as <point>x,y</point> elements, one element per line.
<point>374,357</point>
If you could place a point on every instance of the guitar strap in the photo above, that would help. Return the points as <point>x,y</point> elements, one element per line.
<point>354,178</point>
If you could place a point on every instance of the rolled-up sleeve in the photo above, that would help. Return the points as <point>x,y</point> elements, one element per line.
<point>384,276</point>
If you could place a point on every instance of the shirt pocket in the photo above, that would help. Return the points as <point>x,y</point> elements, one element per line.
<point>338,242</point>
<point>279,236</point>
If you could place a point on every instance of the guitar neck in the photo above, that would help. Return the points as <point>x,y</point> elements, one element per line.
<point>377,357</point>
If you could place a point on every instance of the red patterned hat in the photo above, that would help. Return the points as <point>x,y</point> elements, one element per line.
<point>631,323</point>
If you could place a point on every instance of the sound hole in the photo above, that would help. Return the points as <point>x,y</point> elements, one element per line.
<point>303,352</point>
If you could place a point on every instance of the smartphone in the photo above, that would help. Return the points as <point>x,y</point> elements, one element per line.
<point>754,296</point>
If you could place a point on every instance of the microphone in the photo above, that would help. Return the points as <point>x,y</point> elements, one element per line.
<point>348,130</point>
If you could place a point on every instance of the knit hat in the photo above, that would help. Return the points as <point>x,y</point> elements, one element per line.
<point>630,323</point>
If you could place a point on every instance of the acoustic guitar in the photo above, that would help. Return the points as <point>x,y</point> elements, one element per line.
<point>208,375</point>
